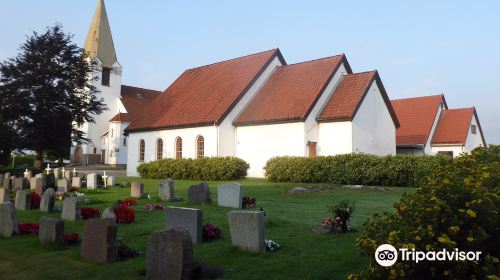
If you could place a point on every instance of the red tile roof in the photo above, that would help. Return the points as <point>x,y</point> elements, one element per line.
<point>416,116</point>
<point>349,95</point>
<point>135,101</point>
<point>454,125</point>
<point>291,92</point>
<point>204,95</point>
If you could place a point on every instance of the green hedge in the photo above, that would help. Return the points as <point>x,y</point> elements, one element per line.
<point>208,168</point>
<point>362,169</point>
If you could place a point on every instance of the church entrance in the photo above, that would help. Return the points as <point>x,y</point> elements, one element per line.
<point>78,155</point>
<point>103,156</point>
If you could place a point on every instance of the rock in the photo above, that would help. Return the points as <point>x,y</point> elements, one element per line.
<point>230,195</point>
<point>187,218</point>
<point>23,200</point>
<point>51,231</point>
<point>247,230</point>
<point>99,241</point>
<point>8,220</point>
<point>353,186</point>
<point>198,194</point>
<point>71,209</point>
<point>48,200</point>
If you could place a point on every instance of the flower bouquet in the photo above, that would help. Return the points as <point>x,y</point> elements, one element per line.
<point>124,214</point>
<point>129,202</point>
<point>72,239</point>
<point>35,200</point>
<point>90,213</point>
<point>249,202</point>
<point>152,207</point>
<point>29,228</point>
<point>211,232</point>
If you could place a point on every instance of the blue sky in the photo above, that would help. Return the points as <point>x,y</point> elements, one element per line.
<point>419,48</point>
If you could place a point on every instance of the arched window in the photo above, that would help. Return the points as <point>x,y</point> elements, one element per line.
<point>200,146</point>
<point>142,148</point>
<point>178,148</point>
<point>159,149</point>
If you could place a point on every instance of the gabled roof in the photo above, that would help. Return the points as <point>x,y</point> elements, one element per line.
<point>416,116</point>
<point>204,95</point>
<point>99,42</point>
<point>291,92</point>
<point>454,125</point>
<point>135,100</point>
<point>349,95</point>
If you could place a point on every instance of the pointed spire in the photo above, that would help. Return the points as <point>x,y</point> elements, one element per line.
<point>99,42</point>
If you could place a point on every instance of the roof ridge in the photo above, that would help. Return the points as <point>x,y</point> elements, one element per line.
<point>464,108</point>
<point>312,60</point>
<point>364,72</point>
<point>159,91</point>
<point>231,59</point>
<point>415,97</point>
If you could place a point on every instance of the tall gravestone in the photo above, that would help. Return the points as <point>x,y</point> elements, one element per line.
<point>247,230</point>
<point>4,195</point>
<point>38,185</point>
<point>169,255</point>
<point>111,181</point>
<point>23,200</point>
<point>28,175</point>
<point>92,181</point>
<point>6,183</point>
<point>166,190</point>
<point>50,180</point>
<point>71,209</point>
<point>99,240</point>
<point>57,173</point>
<point>48,200</point>
<point>63,185</point>
<point>8,220</point>
<point>187,218</point>
<point>1,179</point>
<point>51,231</point>
<point>137,190</point>
<point>198,194</point>
<point>21,184</point>
<point>76,182</point>
<point>68,175</point>
<point>230,195</point>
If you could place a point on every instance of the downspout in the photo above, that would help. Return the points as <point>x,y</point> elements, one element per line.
<point>217,127</point>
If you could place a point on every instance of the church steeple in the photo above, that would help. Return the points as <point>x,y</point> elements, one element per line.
<point>99,42</point>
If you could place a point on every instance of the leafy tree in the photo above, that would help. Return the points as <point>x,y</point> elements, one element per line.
<point>46,92</point>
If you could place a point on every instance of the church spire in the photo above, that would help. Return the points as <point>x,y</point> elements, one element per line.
<point>99,42</point>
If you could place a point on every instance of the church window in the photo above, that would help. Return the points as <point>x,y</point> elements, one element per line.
<point>473,129</point>
<point>200,146</point>
<point>106,73</point>
<point>95,150</point>
<point>178,148</point>
<point>159,149</point>
<point>142,148</point>
<point>112,132</point>
<point>124,141</point>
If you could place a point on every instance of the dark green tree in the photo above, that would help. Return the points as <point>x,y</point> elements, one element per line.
<point>46,92</point>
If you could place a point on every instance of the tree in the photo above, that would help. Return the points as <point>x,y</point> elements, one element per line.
<point>46,93</point>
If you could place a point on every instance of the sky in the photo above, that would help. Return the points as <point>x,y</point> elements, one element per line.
<point>418,47</point>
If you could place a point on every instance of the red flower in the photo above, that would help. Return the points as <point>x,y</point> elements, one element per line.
<point>72,239</point>
<point>89,213</point>
<point>35,200</point>
<point>124,214</point>
<point>129,202</point>
<point>73,189</point>
<point>29,228</point>
<point>211,232</point>
<point>249,202</point>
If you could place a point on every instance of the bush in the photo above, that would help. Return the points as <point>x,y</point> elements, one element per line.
<point>208,168</point>
<point>457,208</point>
<point>362,169</point>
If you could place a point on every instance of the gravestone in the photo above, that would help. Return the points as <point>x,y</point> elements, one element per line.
<point>6,183</point>
<point>51,231</point>
<point>6,175</point>
<point>247,230</point>
<point>92,181</point>
<point>8,220</point>
<point>71,209</point>
<point>1,179</point>
<point>186,218</point>
<point>169,255</point>
<point>137,190</point>
<point>40,175</point>
<point>68,175</point>
<point>76,182</point>
<point>166,190</point>
<point>62,185</point>
<point>99,241</point>
<point>230,195</point>
<point>38,185</point>
<point>23,200</point>
<point>109,213</point>
<point>100,182</point>
<point>4,195</point>
<point>48,200</point>
<point>28,175</point>
<point>57,173</point>
<point>50,180</point>
<point>198,194</point>
<point>21,184</point>
<point>12,180</point>
<point>111,181</point>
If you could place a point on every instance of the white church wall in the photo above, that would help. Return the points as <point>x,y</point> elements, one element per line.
<point>168,137</point>
<point>257,144</point>
<point>473,140</point>
<point>334,138</point>
<point>455,149</point>
<point>373,130</point>
<point>226,129</point>
<point>428,146</point>
<point>116,152</point>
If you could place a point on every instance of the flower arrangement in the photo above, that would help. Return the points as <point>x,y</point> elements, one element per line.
<point>342,213</point>
<point>35,200</point>
<point>129,202</point>
<point>89,213</point>
<point>271,245</point>
<point>73,190</point>
<point>124,214</point>
<point>249,202</point>
<point>29,228</point>
<point>327,221</point>
<point>211,232</point>
<point>152,207</point>
<point>72,238</point>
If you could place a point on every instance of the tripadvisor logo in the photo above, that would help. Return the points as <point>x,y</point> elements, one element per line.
<point>387,255</point>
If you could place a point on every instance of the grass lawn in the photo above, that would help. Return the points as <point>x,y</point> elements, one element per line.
<point>289,219</point>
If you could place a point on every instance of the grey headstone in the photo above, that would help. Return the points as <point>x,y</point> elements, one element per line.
<point>40,175</point>
<point>4,195</point>
<point>92,181</point>
<point>6,183</point>
<point>76,182</point>
<point>1,179</point>
<point>12,180</point>
<point>111,181</point>
<point>99,240</point>
<point>8,220</point>
<point>6,175</point>
<point>247,230</point>
<point>169,255</point>
<point>51,230</point>
<point>109,213</point>
<point>198,194</point>
<point>137,190</point>
<point>23,200</point>
<point>71,209</point>
<point>62,185</point>
<point>57,173</point>
<point>50,180</point>
<point>187,218</point>
<point>21,184</point>
<point>166,190</point>
<point>48,200</point>
<point>68,175</point>
<point>28,175</point>
<point>38,185</point>
<point>230,195</point>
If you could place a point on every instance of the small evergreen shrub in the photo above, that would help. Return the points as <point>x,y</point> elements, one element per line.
<point>207,168</point>
<point>362,169</point>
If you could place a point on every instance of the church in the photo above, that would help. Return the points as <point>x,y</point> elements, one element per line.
<point>254,107</point>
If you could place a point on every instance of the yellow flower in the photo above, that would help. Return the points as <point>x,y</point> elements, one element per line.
<point>454,229</point>
<point>471,213</point>
<point>470,238</point>
<point>418,238</point>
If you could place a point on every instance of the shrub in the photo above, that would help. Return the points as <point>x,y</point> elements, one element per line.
<point>362,169</point>
<point>207,168</point>
<point>342,215</point>
<point>457,208</point>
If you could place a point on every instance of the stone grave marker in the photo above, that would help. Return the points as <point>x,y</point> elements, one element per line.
<point>62,185</point>
<point>28,174</point>
<point>247,230</point>
<point>51,231</point>
<point>38,185</point>
<point>50,180</point>
<point>48,200</point>
<point>23,200</point>
<point>76,182</point>
<point>111,181</point>
<point>68,175</point>
<point>4,195</point>
<point>169,255</point>
<point>1,179</point>
<point>99,240</point>
<point>109,213</point>
<point>57,173</point>
<point>198,194</point>
<point>137,190</point>
<point>92,181</point>
<point>166,190</point>
<point>6,183</point>
<point>21,184</point>
<point>230,195</point>
<point>8,220</point>
<point>186,218</point>
<point>71,209</point>
<point>6,175</point>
